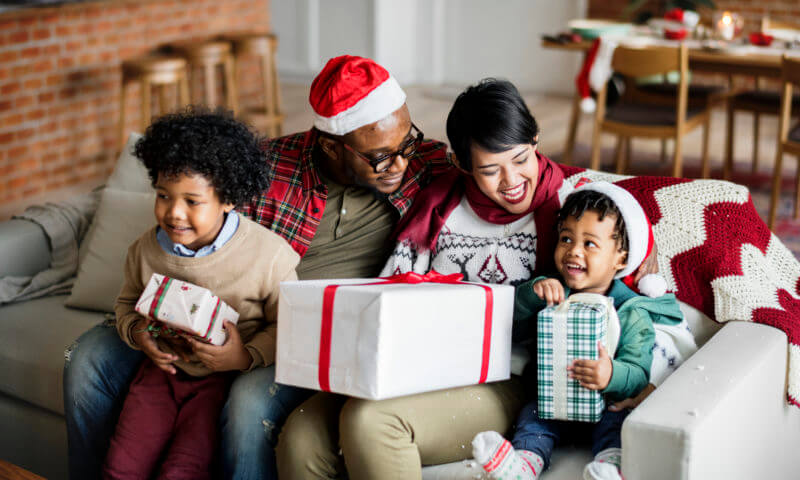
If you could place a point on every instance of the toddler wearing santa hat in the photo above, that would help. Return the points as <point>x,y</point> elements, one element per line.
<point>603,237</point>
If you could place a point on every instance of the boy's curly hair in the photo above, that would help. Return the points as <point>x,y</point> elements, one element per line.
<point>579,202</point>
<point>210,143</point>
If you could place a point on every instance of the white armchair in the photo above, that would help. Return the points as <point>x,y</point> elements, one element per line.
<point>722,414</point>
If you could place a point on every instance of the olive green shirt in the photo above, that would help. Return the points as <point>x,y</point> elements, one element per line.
<point>353,237</point>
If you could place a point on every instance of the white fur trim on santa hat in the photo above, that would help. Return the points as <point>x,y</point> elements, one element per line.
<point>382,101</point>
<point>636,224</point>
<point>601,71</point>
<point>690,18</point>
<point>653,285</point>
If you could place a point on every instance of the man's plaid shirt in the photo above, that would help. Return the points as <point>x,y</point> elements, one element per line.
<point>293,204</point>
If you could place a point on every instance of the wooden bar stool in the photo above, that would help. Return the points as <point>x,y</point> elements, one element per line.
<point>153,70</point>
<point>211,56</point>
<point>267,117</point>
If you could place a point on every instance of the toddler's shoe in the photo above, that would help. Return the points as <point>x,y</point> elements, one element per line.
<point>606,466</point>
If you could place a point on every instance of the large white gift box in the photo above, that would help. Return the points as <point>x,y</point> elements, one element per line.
<point>373,339</point>
<point>186,307</point>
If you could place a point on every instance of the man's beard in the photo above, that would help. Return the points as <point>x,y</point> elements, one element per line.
<point>359,182</point>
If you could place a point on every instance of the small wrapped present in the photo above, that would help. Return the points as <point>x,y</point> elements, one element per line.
<point>186,307</point>
<point>567,332</point>
<point>387,337</point>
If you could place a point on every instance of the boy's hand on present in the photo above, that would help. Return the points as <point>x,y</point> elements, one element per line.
<point>147,343</point>
<point>231,355</point>
<point>179,346</point>
<point>550,290</point>
<point>593,374</point>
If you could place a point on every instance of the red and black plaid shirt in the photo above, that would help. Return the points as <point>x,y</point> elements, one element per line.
<point>293,204</point>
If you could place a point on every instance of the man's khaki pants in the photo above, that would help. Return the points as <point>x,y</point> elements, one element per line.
<point>392,439</point>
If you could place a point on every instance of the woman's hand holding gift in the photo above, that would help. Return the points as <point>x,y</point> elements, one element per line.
<point>593,374</point>
<point>550,290</point>
<point>141,335</point>
<point>232,355</point>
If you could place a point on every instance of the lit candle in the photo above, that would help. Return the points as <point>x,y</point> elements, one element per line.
<point>725,26</point>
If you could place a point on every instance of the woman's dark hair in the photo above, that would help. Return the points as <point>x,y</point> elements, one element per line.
<point>579,202</point>
<point>210,143</point>
<point>493,115</point>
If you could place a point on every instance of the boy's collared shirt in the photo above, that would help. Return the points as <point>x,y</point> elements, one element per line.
<point>293,204</point>
<point>226,233</point>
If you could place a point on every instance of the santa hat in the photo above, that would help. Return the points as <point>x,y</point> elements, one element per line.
<point>351,92</point>
<point>687,18</point>
<point>640,236</point>
<point>596,70</point>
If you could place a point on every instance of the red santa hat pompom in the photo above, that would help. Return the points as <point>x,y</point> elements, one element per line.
<point>640,237</point>
<point>351,92</point>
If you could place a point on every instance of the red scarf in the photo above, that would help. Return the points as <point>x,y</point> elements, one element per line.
<point>421,225</point>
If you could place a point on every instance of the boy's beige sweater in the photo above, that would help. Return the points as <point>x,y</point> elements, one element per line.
<point>244,273</point>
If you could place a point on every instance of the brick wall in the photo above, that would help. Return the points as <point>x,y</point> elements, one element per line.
<point>781,10</point>
<point>60,84</point>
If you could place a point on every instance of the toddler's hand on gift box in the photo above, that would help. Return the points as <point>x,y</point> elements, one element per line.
<point>147,343</point>
<point>593,374</point>
<point>231,355</point>
<point>550,290</point>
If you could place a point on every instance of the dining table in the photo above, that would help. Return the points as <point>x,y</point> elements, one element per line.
<point>731,58</point>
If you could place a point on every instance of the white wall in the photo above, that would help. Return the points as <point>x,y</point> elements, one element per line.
<point>435,42</point>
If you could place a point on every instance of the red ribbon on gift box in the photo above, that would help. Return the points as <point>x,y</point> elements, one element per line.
<point>329,295</point>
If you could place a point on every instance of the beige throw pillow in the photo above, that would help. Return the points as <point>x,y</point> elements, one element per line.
<point>124,213</point>
<point>121,218</point>
<point>129,174</point>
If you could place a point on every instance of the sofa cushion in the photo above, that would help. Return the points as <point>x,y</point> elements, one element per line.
<point>129,173</point>
<point>35,335</point>
<point>121,218</point>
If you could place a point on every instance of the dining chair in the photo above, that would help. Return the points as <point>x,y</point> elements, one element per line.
<point>788,140</point>
<point>633,118</point>
<point>665,90</point>
<point>757,101</point>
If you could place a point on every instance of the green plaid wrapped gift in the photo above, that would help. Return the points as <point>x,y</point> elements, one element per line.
<point>567,332</point>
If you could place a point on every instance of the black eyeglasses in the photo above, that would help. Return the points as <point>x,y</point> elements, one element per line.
<point>383,162</point>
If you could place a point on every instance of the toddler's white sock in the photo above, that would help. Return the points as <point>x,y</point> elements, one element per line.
<point>499,459</point>
<point>606,466</point>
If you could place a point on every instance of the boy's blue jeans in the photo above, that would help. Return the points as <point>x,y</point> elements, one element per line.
<point>541,436</point>
<point>96,377</point>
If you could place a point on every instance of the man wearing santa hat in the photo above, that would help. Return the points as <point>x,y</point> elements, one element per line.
<point>336,192</point>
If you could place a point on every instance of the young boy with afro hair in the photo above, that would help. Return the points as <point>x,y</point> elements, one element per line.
<point>202,164</point>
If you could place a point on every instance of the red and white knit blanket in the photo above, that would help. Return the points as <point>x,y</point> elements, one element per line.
<point>717,255</point>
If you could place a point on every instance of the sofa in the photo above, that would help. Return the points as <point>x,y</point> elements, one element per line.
<point>723,414</point>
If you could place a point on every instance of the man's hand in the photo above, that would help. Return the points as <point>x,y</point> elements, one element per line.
<point>550,290</point>
<point>593,374</point>
<point>232,355</point>
<point>648,266</point>
<point>150,348</point>
<point>632,402</point>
